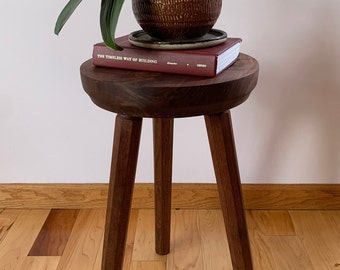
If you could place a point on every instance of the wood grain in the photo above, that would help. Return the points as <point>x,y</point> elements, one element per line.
<point>222,146</point>
<point>288,253</point>
<point>130,240</point>
<point>186,250</point>
<point>54,235</point>
<point>275,246</point>
<point>311,227</point>
<point>162,95</point>
<point>7,218</point>
<point>185,196</point>
<point>40,263</point>
<point>197,240</point>
<point>261,254</point>
<point>99,256</point>
<point>213,240</point>
<point>122,177</point>
<point>163,152</point>
<point>273,223</point>
<point>85,241</point>
<point>292,196</point>
<point>148,265</point>
<point>333,221</point>
<point>17,243</point>
<point>144,244</point>
<point>73,196</point>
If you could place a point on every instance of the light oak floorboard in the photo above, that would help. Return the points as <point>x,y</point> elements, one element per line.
<point>83,246</point>
<point>98,259</point>
<point>321,241</point>
<point>144,243</point>
<point>186,250</point>
<point>19,239</point>
<point>273,223</point>
<point>288,253</point>
<point>7,218</point>
<point>280,240</point>
<point>130,238</point>
<point>332,219</point>
<point>275,245</point>
<point>214,244</point>
<point>261,253</point>
<point>153,265</point>
<point>40,263</point>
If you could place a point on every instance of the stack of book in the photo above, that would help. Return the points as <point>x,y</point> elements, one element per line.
<point>201,62</point>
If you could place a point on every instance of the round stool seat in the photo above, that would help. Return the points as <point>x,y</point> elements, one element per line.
<point>162,95</point>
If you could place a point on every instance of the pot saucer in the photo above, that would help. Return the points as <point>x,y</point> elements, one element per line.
<point>212,38</point>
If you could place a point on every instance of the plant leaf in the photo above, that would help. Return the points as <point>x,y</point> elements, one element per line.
<point>65,15</point>
<point>109,14</point>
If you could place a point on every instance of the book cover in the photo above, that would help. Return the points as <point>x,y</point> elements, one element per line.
<point>201,62</point>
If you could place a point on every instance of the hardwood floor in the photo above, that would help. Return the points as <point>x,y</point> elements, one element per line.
<point>34,239</point>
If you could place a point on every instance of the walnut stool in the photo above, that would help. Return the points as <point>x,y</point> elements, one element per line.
<point>134,95</point>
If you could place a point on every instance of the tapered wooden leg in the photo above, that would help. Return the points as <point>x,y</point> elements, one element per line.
<point>163,141</point>
<point>122,177</point>
<point>223,152</point>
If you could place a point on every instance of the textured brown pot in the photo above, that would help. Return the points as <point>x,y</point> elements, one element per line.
<point>176,19</point>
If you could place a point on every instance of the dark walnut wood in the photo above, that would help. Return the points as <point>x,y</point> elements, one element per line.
<point>157,95</point>
<point>55,233</point>
<point>222,147</point>
<point>137,94</point>
<point>122,177</point>
<point>163,141</point>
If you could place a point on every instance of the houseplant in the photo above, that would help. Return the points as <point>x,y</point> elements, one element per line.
<point>161,19</point>
<point>109,13</point>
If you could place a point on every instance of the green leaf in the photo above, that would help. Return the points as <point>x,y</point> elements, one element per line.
<point>65,15</point>
<point>109,14</point>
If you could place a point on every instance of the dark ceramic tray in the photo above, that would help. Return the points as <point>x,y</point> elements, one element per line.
<point>212,38</point>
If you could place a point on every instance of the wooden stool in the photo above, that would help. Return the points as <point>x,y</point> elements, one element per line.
<point>137,94</point>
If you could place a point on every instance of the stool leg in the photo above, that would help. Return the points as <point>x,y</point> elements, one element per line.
<point>223,152</point>
<point>163,141</point>
<point>122,177</point>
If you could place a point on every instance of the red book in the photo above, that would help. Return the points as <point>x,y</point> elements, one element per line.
<point>202,62</point>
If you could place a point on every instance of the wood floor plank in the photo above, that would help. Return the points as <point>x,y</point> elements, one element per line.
<point>144,244</point>
<point>214,240</point>
<point>273,223</point>
<point>288,252</point>
<point>54,235</point>
<point>99,257</point>
<point>129,243</point>
<point>20,238</point>
<point>130,239</point>
<point>40,263</point>
<point>261,255</point>
<point>333,221</point>
<point>85,241</point>
<point>153,265</point>
<point>186,251</point>
<point>271,248</point>
<point>280,240</point>
<point>321,243</point>
<point>7,218</point>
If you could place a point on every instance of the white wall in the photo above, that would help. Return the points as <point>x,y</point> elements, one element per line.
<point>287,132</point>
